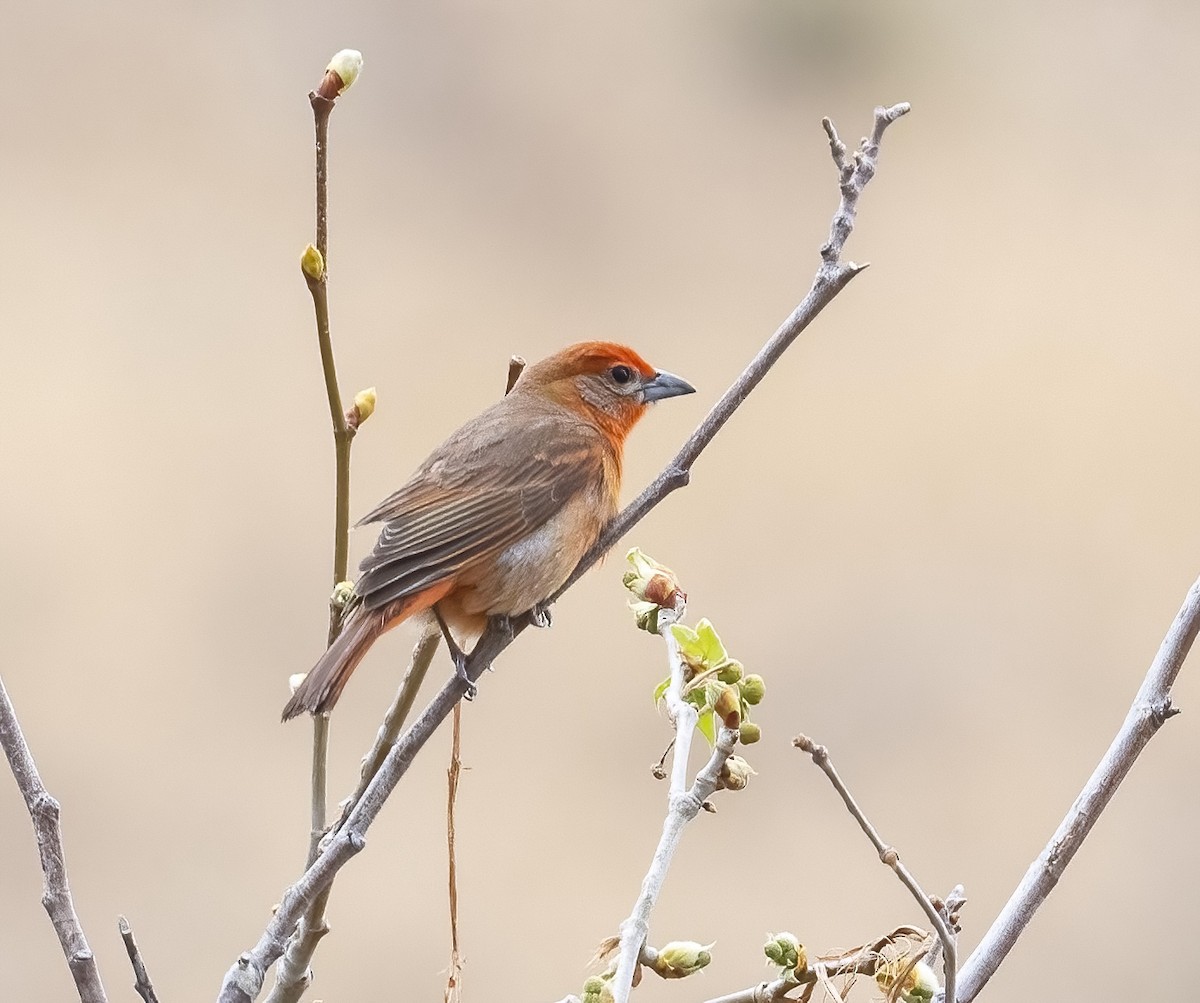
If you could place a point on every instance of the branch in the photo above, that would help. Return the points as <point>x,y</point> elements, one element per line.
<point>244,979</point>
<point>56,892</point>
<point>683,805</point>
<point>293,975</point>
<point>1151,709</point>
<point>889,856</point>
<point>142,984</point>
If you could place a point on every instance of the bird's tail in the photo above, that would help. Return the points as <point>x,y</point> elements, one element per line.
<point>325,681</point>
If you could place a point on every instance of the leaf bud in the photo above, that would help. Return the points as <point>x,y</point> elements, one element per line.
<point>681,958</point>
<point>312,263</point>
<point>735,774</point>
<point>782,949</point>
<point>749,733</point>
<point>342,71</point>
<point>753,688</point>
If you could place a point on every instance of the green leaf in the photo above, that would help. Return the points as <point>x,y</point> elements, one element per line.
<point>707,727</point>
<point>660,690</point>
<point>712,651</point>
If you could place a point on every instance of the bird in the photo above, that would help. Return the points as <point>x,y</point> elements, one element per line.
<point>500,514</point>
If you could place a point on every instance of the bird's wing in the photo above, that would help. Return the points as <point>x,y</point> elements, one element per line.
<point>490,484</point>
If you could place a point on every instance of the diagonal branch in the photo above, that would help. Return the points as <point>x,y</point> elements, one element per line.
<point>1151,709</point>
<point>56,892</point>
<point>244,979</point>
<point>889,856</point>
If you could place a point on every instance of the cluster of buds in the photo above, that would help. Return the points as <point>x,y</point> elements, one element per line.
<point>717,685</point>
<point>911,982</point>
<point>786,952</point>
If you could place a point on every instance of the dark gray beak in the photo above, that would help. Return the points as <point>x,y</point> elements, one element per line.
<point>665,385</point>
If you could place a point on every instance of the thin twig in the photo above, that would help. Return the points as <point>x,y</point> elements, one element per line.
<point>889,856</point>
<point>1151,709</point>
<point>864,961</point>
<point>683,805</point>
<point>142,984</point>
<point>244,979</point>
<point>293,975</point>
<point>397,713</point>
<point>56,891</point>
<point>453,989</point>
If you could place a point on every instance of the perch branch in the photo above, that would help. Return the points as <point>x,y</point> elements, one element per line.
<point>56,892</point>
<point>244,979</point>
<point>889,856</point>
<point>1151,709</point>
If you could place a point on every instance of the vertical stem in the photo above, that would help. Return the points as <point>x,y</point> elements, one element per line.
<point>342,436</point>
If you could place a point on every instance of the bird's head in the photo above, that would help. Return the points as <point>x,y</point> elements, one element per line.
<point>607,383</point>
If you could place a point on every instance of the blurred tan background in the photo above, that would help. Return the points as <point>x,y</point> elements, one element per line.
<point>950,529</point>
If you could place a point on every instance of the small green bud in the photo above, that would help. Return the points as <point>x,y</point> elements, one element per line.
<point>749,733</point>
<point>918,985</point>
<point>730,671</point>
<point>312,264</point>
<point>782,949</point>
<point>343,592</point>
<point>364,407</point>
<point>683,957</point>
<point>592,989</point>
<point>753,689</point>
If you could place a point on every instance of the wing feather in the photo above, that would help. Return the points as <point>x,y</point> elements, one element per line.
<point>494,481</point>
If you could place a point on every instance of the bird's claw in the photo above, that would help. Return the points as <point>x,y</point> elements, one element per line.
<point>505,624</point>
<point>470,690</point>
<point>539,616</point>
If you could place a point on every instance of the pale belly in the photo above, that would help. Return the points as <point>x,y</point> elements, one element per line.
<point>531,569</point>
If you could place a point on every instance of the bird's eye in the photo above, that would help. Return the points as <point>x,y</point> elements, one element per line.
<point>622,374</point>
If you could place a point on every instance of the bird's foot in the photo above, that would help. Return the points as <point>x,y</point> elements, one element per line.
<point>470,690</point>
<point>539,616</point>
<point>504,623</point>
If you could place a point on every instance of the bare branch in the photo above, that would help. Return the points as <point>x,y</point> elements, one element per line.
<point>1151,709</point>
<point>142,983</point>
<point>244,979</point>
<point>889,856</point>
<point>56,892</point>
